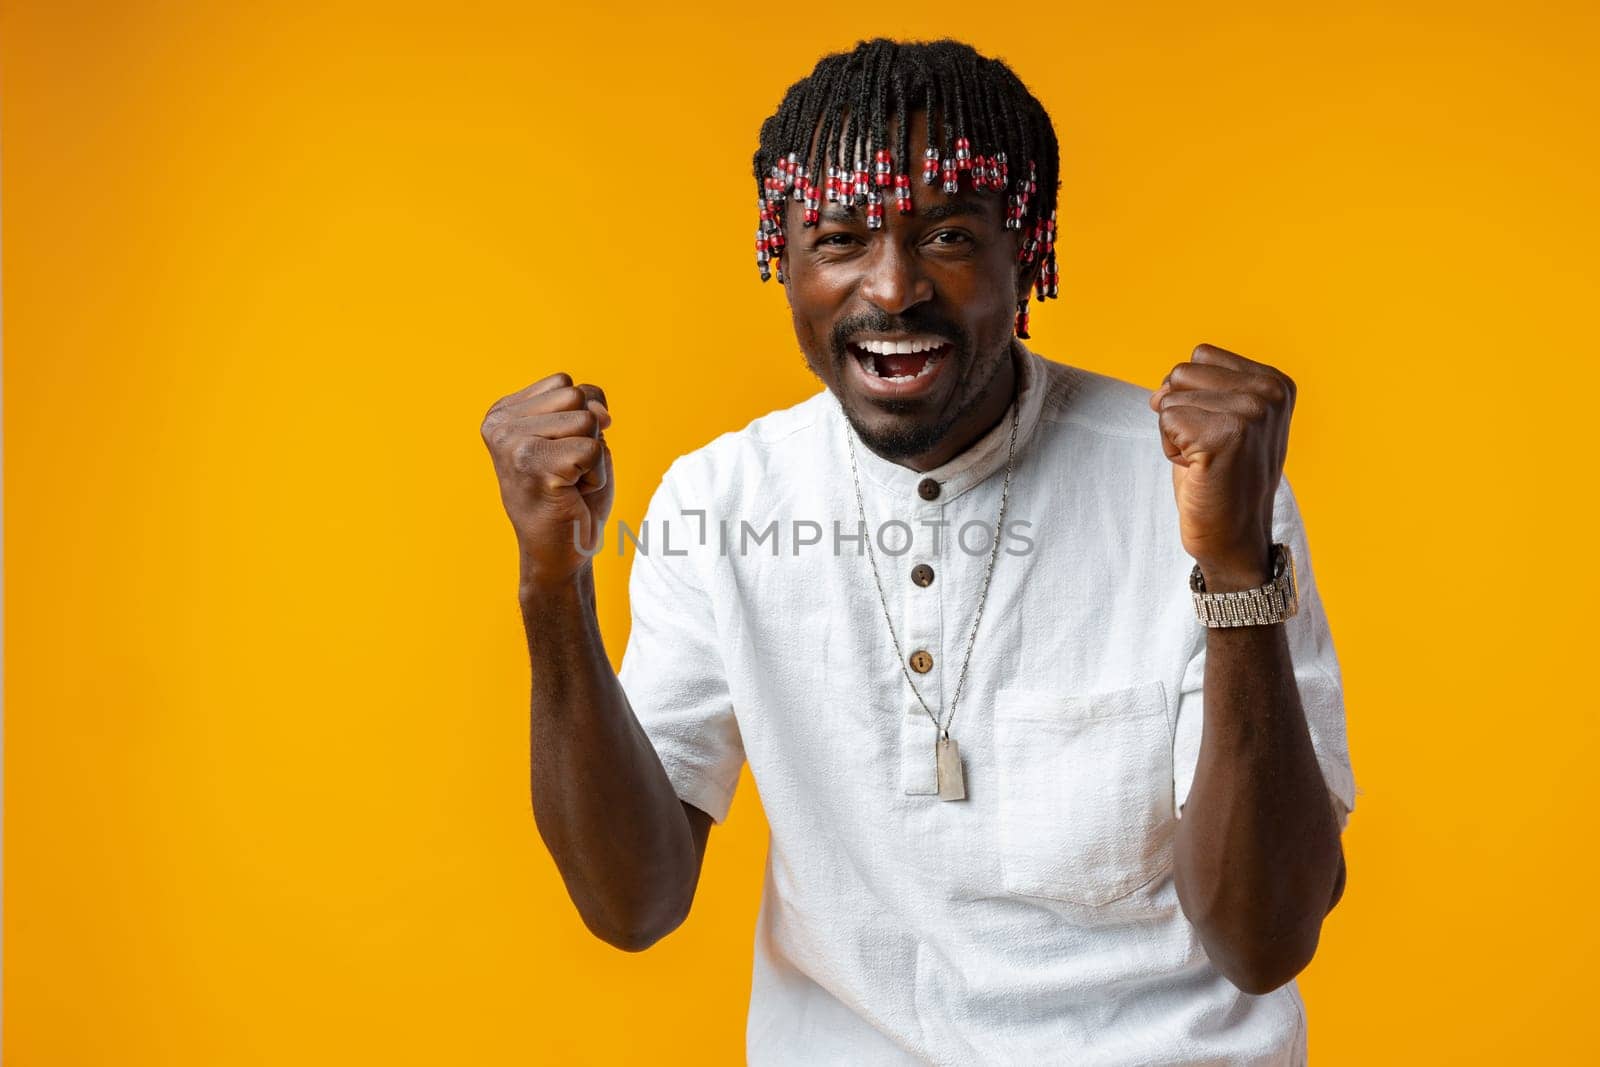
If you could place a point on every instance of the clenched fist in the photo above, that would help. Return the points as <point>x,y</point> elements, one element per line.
<point>1225,427</point>
<point>549,449</point>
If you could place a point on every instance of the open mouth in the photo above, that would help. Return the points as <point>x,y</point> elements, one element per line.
<point>900,361</point>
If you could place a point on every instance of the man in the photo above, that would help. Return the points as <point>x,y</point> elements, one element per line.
<point>1076,799</point>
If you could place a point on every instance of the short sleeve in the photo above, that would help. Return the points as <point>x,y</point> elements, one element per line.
<point>1316,672</point>
<point>672,668</point>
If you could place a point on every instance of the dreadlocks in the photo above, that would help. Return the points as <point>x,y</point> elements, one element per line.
<point>834,122</point>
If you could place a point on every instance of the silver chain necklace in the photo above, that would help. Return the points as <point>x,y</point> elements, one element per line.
<point>947,756</point>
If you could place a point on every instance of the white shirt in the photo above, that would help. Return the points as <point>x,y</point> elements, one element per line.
<point>1036,921</point>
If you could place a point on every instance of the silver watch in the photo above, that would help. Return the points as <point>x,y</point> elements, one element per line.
<point>1264,605</point>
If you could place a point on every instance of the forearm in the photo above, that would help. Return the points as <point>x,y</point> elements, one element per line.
<point>601,800</point>
<point>1258,855</point>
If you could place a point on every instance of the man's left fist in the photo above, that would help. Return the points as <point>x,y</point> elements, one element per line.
<point>1225,427</point>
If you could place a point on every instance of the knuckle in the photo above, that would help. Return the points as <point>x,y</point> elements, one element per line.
<point>1275,389</point>
<point>1253,407</point>
<point>525,455</point>
<point>568,398</point>
<point>497,435</point>
<point>574,457</point>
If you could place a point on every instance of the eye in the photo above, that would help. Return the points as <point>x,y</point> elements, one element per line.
<point>835,240</point>
<point>951,238</point>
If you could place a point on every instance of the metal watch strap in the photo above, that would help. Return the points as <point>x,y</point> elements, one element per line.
<point>1264,605</point>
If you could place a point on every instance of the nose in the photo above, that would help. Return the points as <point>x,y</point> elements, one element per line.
<point>894,280</point>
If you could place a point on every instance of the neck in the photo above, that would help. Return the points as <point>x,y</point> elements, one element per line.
<point>980,420</point>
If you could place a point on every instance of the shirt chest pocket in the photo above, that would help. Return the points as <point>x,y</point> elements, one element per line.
<point>1085,791</point>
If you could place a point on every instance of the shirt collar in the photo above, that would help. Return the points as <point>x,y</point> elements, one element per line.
<point>983,457</point>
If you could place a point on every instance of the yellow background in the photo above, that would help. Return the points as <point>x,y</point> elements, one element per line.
<point>266,266</point>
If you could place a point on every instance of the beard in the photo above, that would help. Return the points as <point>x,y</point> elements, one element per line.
<point>918,438</point>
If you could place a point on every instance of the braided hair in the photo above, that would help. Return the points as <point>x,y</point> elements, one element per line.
<point>982,125</point>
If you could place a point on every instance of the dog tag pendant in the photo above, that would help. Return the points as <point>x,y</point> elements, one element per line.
<point>947,761</point>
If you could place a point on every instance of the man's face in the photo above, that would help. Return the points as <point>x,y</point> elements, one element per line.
<point>944,279</point>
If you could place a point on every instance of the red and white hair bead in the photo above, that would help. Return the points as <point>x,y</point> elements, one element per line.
<point>882,169</point>
<point>902,193</point>
<point>874,210</point>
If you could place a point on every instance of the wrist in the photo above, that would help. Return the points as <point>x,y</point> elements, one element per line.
<point>1235,574</point>
<point>1250,601</point>
<point>543,592</point>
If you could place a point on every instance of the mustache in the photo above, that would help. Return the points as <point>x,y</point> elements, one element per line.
<point>928,324</point>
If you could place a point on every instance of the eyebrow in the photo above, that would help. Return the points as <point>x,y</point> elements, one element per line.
<point>939,212</point>
<point>950,209</point>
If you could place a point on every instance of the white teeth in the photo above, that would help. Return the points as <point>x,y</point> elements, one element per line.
<point>902,348</point>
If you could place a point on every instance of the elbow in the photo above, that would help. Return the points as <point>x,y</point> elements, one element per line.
<point>1261,981</point>
<point>1269,965</point>
<point>639,931</point>
<point>630,939</point>
<point>1260,947</point>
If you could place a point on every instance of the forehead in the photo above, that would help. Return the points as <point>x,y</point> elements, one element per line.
<point>850,141</point>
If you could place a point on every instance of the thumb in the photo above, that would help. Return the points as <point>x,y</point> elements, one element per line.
<point>598,476</point>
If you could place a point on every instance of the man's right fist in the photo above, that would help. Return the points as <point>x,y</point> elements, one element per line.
<point>549,449</point>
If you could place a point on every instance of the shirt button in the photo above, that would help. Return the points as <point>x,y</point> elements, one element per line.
<point>922,575</point>
<point>928,489</point>
<point>921,662</point>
